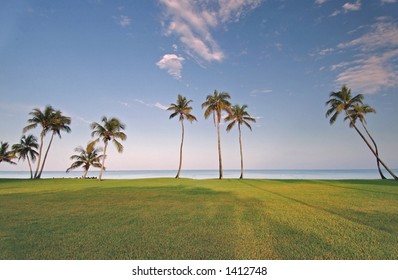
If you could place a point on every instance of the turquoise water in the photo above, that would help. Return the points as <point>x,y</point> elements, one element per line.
<point>207,174</point>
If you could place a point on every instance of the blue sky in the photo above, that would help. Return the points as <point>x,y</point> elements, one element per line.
<point>130,60</point>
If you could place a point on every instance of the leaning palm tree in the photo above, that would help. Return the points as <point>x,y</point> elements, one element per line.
<point>183,110</point>
<point>358,113</point>
<point>239,116</point>
<point>86,158</point>
<point>215,104</point>
<point>43,119</point>
<point>27,149</point>
<point>343,101</point>
<point>5,154</point>
<point>110,130</point>
<point>58,123</point>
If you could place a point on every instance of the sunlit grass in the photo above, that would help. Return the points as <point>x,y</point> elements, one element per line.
<point>198,219</point>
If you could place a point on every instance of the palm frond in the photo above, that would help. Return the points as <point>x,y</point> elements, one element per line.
<point>118,145</point>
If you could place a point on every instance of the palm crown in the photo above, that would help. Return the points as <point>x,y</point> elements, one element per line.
<point>5,154</point>
<point>182,109</point>
<point>215,104</point>
<point>86,157</point>
<point>358,112</point>
<point>341,101</point>
<point>239,116</point>
<point>110,130</point>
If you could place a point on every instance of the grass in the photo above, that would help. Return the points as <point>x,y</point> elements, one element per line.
<point>198,219</point>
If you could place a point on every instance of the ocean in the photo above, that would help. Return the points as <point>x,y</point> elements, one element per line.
<point>208,174</point>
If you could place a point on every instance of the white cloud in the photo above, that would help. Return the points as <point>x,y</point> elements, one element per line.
<point>194,21</point>
<point>335,13</point>
<point>172,63</point>
<point>123,21</point>
<point>350,7</point>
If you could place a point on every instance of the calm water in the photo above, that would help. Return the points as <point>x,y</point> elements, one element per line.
<point>206,174</point>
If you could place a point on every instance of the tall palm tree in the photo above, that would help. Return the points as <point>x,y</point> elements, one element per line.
<point>239,116</point>
<point>58,123</point>
<point>343,101</point>
<point>86,157</point>
<point>183,110</point>
<point>5,154</point>
<point>110,130</point>
<point>43,119</point>
<point>359,112</point>
<point>26,149</point>
<point>216,104</point>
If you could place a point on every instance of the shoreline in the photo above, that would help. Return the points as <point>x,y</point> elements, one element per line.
<point>272,174</point>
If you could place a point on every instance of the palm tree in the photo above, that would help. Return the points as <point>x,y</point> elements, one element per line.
<point>110,130</point>
<point>58,123</point>
<point>5,154</point>
<point>182,109</point>
<point>344,101</point>
<point>239,116</point>
<point>215,104</point>
<point>26,149</point>
<point>86,157</point>
<point>359,112</point>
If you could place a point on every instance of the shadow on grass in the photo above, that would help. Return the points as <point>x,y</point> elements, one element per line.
<point>376,220</point>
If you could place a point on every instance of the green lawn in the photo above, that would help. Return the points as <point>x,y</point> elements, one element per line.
<point>198,219</point>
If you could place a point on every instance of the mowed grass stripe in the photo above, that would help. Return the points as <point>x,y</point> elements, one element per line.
<point>198,219</point>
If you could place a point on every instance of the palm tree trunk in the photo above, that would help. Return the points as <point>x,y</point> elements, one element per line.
<point>370,147</point>
<point>85,172</point>
<point>219,149</point>
<point>40,152</point>
<point>182,143</point>
<point>376,150</point>
<point>241,152</point>
<point>103,161</point>
<point>45,156</point>
<point>30,168</point>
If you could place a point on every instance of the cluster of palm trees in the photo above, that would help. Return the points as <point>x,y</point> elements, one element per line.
<point>53,122</point>
<point>215,105</point>
<point>354,109</point>
<point>109,130</point>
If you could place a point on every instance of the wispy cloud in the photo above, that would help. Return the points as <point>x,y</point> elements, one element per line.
<point>370,74</point>
<point>388,1</point>
<point>320,2</point>
<point>156,105</point>
<point>377,53</point>
<point>335,13</point>
<point>194,21</point>
<point>350,7</point>
<point>384,33</point>
<point>123,21</point>
<point>160,106</point>
<point>255,92</point>
<point>172,63</point>
<point>234,10</point>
